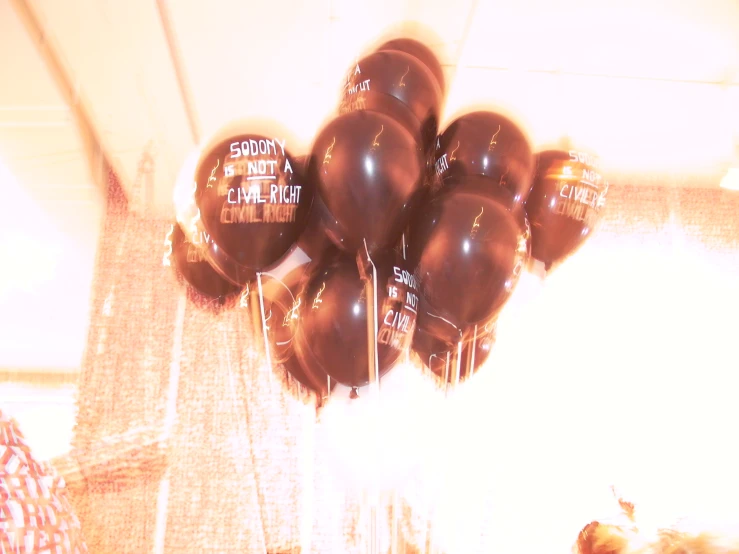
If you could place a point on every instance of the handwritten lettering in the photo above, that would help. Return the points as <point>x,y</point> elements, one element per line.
<point>350,74</point>
<point>590,177</point>
<point>578,194</point>
<point>399,310</point>
<point>359,87</point>
<point>242,214</point>
<point>441,165</point>
<point>572,210</point>
<point>396,329</point>
<point>253,169</point>
<point>200,237</point>
<point>253,147</point>
<point>279,213</point>
<point>387,337</point>
<point>256,194</point>
<point>195,255</point>
<point>258,213</point>
<point>581,200</point>
<point>261,167</point>
<point>397,320</point>
<point>284,194</point>
<point>585,158</point>
<point>408,279</point>
<point>240,196</point>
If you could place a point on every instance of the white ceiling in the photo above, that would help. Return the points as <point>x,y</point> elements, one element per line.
<point>650,85</point>
<point>50,212</point>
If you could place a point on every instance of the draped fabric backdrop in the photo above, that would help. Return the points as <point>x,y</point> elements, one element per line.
<point>221,458</point>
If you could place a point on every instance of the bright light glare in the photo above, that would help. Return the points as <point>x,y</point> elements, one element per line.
<point>731,179</point>
<point>592,382</point>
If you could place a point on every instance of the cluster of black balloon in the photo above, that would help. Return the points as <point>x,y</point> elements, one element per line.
<point>417,239</point>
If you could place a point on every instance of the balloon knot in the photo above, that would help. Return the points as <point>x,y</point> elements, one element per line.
<point>354,393</point>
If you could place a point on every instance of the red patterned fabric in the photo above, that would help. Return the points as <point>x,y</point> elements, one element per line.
<point>35,514</point>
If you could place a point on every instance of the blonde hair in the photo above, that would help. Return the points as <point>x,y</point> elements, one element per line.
<point>597,538</point>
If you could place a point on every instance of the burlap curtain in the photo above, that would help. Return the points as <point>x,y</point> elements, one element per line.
<point>238,469</point>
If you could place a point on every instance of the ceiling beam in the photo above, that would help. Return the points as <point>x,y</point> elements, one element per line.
<point>178,64</point>
<point>97,161</point>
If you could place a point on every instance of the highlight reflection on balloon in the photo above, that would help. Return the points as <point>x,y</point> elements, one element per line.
<point>314,240</point>
<point>398,85</point>
<point>480,184</point>
<point>332,325</point>
<point>254,203</point>
<point>565,204</point>
<point>469,251</point>
<point>280,297</point>
<point>422,53</point>
<point>368,171</point>
<point>488,144</point>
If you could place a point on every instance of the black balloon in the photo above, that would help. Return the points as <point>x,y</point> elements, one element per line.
<point>254,203</point>
<point>441,357</point>
<point>469,251</point>
<point>332,321</point>
<point>368,170</point>
<point>281,307</point>
<point>489,144</point>
<point>313,240</point>
<point>565,204</point>
<point>321,233</point>
<point>421,52</point>
<point>399,85</point>
<point>195,269</point>
<point>280,295</point>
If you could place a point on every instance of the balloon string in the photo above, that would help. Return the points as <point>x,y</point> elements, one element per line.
<point>458,365</point>
<point>473,350</point>
<point>267,352</point>
<point>374,382</point>
<point>374,370</point>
